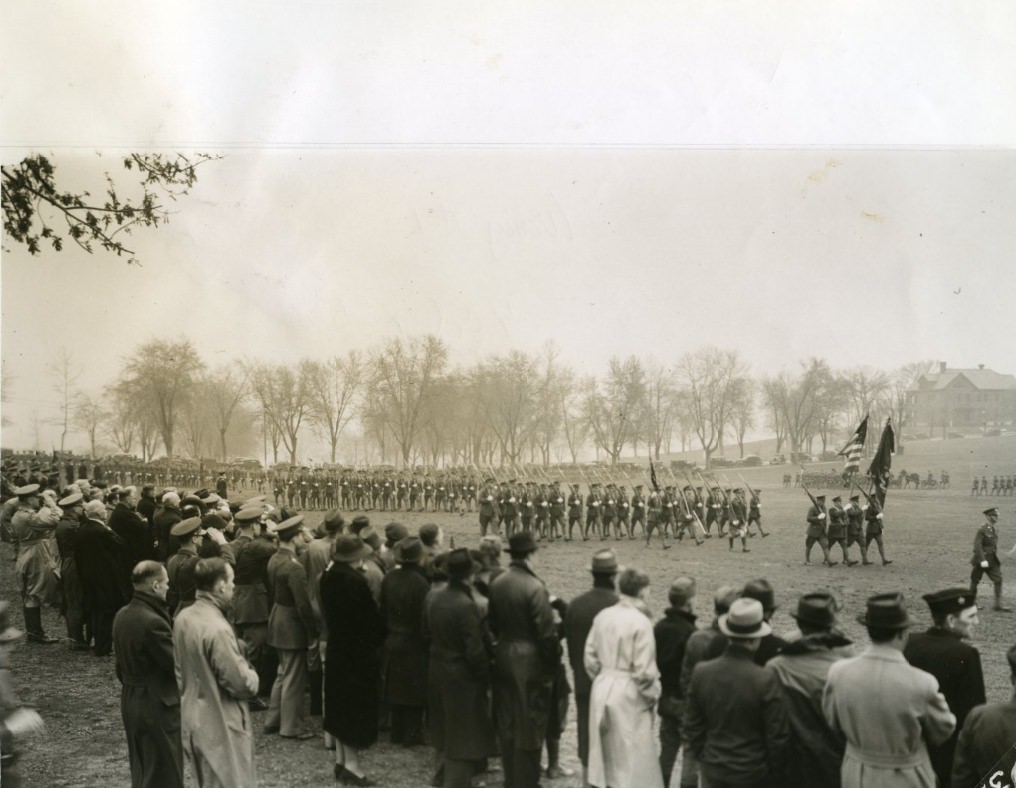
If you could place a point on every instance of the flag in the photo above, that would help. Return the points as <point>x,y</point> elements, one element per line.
<point>852,451</point>
<point>881,463</point>
<point>652,477</point>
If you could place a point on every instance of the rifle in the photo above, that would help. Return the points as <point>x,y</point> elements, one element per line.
<point>701,530</point>
<point>871,501</point>
<point>825,522</point>
<point>754,498</point>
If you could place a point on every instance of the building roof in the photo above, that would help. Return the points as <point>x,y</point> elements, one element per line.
<point>980,379</point>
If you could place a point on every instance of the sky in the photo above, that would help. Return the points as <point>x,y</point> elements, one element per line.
<point>783,180</point>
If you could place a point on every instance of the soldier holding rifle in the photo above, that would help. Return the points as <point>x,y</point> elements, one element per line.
<point>816,529</point>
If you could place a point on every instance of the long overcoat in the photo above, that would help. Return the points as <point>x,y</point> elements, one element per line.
<point>459,671</point>
<point>215,684</point>
<point>99,552</point>
<point>149,698</point>
<point>356,630</point>
<point>132,528</point>
<point>403,593</point>
<point>37,565</point>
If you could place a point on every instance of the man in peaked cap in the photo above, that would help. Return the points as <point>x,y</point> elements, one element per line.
<point>863,697</point>
<point>957,665</point>
<point>802,668</point>
<point>985,558</point>
<point>33,525</point>
<point>525,661</point>
<point>817,524</point>
<point>252,551</point>
<point>578,620</point>
<point>181,564</point>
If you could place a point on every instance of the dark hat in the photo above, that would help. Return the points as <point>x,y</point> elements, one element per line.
<point>209,499</point>
<point>886,611</point>
<point>213,520</point>
<point>8,634</point>
<point>950,601</point>
<point>428,533</point>
<point>837,498</point>
<point>184,527</point>
<point>27,490</point>
<point>761,590</point>
<point>349,548</point>
<point>458,562</point>
<point>360,522</point>
<point>993,510</point>
<point>370,536</point>
<point>333,521</point>
<point>744,620</point>
<point>604,562</point>
<point>681,590</point>
<point>396,532</point>
<point>409,550</point>
<point>521,542</point>
<point>820,497</point>
<point>817,609</point>
<point>71,500</point>
<point>202,493</point>
<point>291,524</point>
<point>249,514</point>
<point>637,487</point>
<point>855,497</point>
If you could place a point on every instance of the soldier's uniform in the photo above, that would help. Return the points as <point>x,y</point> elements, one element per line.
<point>817,531</point>
<point>713,502</point>
<point>608,511</point>
<point>250,601</point>
<point>592,510</point>
<point>755,513</point>
<point>527,507</point>
<point>542,506</point>
<point>837,533</point>
<point>574,510</point>
<point>855,527</point>
<point>664,516</point>
<point>638,511</point>
<point>873,531</point>
<point>489,510</point>
<point>556,511</point>
<point>985,558</point>
<point>738,523</point>
<point>623,517</point>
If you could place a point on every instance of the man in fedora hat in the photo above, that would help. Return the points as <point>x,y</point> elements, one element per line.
<point>15,720</point>
<point>292,632</point>
<point>735,720</point>
<point>578,620</point>
<point>404,661</point>
<point>526,656</point>
<point>771,644</point>
<point>957,665</point>
<point>989,729</point>
<point>802,668</point>
<point>985,558</point>
<point>886,709</point>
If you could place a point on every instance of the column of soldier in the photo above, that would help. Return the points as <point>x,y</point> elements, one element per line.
<point>1000,485</point>
<point>390,632</point>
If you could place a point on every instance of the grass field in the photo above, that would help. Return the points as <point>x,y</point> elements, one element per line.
<point>928,536</point>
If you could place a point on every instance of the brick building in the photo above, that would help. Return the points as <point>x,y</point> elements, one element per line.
<point>962,400</point>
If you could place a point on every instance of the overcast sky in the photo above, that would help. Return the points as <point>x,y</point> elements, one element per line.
<point>500,177</point>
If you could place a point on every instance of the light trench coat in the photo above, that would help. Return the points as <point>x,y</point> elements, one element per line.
<point>215,684</point>
<point>886,709</point>
<point>620,658</point>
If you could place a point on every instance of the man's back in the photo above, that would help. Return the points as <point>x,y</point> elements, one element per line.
<point>578,620</point>
<point>988,732</point>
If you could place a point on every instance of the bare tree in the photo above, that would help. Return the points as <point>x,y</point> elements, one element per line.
<point>284,396</point>
<point>160,376</point>
<point>402,376</point>
<point>65,373</point>
<point>506,388</point>
<point>7,381</point>
<point>196,421</point>
<point>742,414</point>
<point>333,386</point>
<point>711,378</point>
<point>89,415</point>
<point>224,389</point>
<point>660,410</point>
<point>612,408</point>
<point>865,387</point>
<point>121,423</point>
<point>775,394</point>
<point>896,398</point>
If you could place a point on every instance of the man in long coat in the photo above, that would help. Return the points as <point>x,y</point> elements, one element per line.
<point>886,709</point>
<point>459,675</point>
<point>149,698</point>
<point>578,620</point>
<point>73,507</point>
<point>942,652</point>
<point>215,684</point>
<point>525,662</point>
<point>291,632</point>
<point>132,528</point>
<point>33,525</point>
<point>99,554</point>
<point>404,669</point>
<point>252,551</point>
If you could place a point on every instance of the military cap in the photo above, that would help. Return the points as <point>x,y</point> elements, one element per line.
<point>992,510</point>
<point>604,562</point>
<point>185,527</point>
<point>637,487</point>
<point>249,514</point>
<point>837,498</point>
<point>27,490</point>
<point>292,524</point>
<point>211,498</point>
<point>950,600</point>
<point>855,497</point>
<point>71,500</point>
<point>820,497</point>
<point>489,480</point>
<point>202,493</point>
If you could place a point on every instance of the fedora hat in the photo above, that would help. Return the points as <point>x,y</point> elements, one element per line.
<point>762,590</point>
<point>409,550</point>
<point>744,620</point>
<point>521,542</point>
<point>886,611</point>
<point>604,562</point>
<point>350,548</point>
<point>458,563</point>
<point>817,609</point>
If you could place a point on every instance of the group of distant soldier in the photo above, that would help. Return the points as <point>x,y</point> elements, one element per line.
<point>1000,485</point>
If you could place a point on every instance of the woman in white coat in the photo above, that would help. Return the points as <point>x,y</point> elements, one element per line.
<point>620,658</point>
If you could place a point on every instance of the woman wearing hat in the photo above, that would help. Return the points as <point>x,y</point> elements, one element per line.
<point>620,658</point>
<point>355,631</point>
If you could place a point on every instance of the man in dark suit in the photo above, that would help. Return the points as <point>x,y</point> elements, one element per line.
<point>149,698</point>
<point>988,731</point>
<point>957,665</point>
<point>578,620</point>
<point>132,528</point>
<point>672,633</point>
<point>525,662</point>
<point>292,631</point>
<point>99,552</point>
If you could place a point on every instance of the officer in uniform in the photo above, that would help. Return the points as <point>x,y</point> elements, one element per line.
<point>713,502</point>
<point>592,510</point>
<point>873,531</point>
<point>574,511</point>
<point>755,512</point>
<point>855,528</point>
<point>608,511</point>
<point>556,515</point>
<point>638,510</point>
<point>942,652</point>
<point>837,533</point>
<point>738,522</point>
<point>623,513</point>
<point>985,559</point>
<point>250,599</point>
<point>817,531</point>
<point>489,510</point>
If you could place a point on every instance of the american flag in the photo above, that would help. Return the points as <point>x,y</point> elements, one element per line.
<point>852,451</point>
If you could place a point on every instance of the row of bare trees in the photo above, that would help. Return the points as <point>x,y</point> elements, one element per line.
<point>409,406</point>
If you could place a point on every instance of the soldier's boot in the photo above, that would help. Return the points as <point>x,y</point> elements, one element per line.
<point>731,541</point>
<point>33,627</point>
<point>744,546</point>
<point>998,600</point>
<point>827,560</point>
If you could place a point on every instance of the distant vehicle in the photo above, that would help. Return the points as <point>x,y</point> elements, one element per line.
<point>800,456</point>
<point>994,432</point>
<point>779,459</point>
<point>751,461</point>
<point>681,465</point>
<point>720,462</point>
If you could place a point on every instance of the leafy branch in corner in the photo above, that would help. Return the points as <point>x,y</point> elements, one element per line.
<point>33,201</point>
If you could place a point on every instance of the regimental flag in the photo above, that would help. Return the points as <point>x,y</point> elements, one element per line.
<point>652,477</point>
<point>881,463</point>
<point>852,451</point>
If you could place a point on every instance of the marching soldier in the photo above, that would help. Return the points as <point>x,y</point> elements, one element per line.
<point>837,532</point>
<point>592,510</point>
<point>713,503</point>
<point>414,494</point>
<point>556,511</point>
<point>543,512</point>
<point>428,494</point>
<point>873,531</point>
<point>738,523</point>
<point>638,511</point>
<point>488,508</point>
<point>440,495</point>
<point>855,528</point>
<point>985,559</point>
<point>608,512</point>
<point>755,513</point>
<point>817,531</point>
<point>623,513</point>
<point>574,511</point>
<point>527,507</point>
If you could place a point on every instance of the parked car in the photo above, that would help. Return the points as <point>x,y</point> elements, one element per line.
<point>681,465</point>
<point>751,461</point>
<point>720,462</point>
<point>779,459</point>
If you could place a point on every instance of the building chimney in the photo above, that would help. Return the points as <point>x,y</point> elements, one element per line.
<point>980,366</point>
<point>941,366</point>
